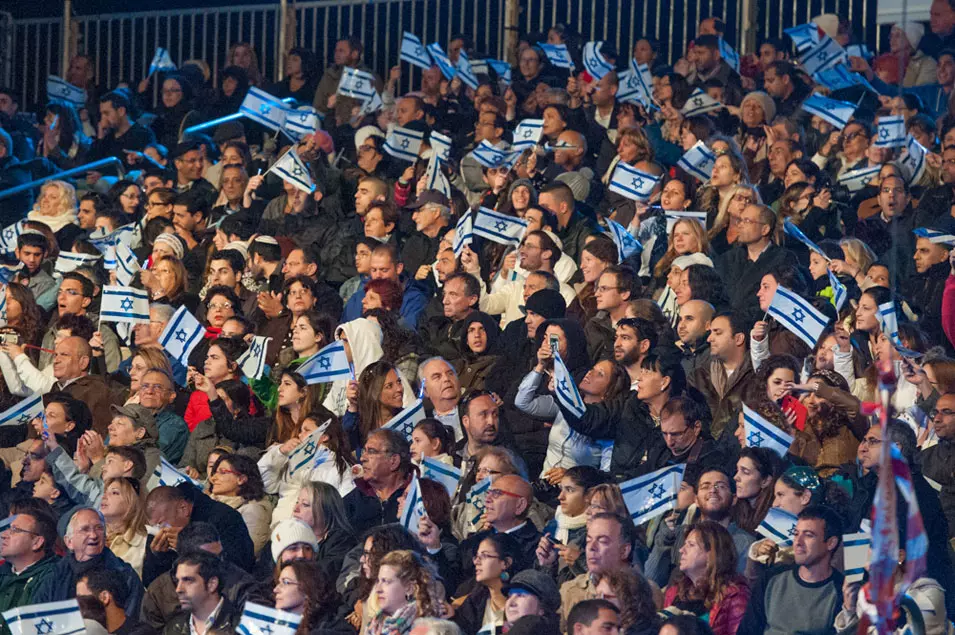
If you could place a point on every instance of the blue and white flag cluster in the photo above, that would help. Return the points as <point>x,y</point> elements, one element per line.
<point>798,316</point>
<point>124,304</point>
<point>503,70</point>
<point>498,227</point>
<point>651,495</point>
<point>24,412</point>
<point>760,433</point>
<point>491,157</point>
<point>836,112</point>
<point>557,55</point>
<point>127,266</point>
<point>779,526</point>
<point>327,365</point>
<point>630,182</point>
<point>839,77</point>
<point>891,132</point>
<point>466,71</point>
<point>181,335</point>
<point>444,473</point>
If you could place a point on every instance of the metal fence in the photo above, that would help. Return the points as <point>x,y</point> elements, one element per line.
<point>122,45</point>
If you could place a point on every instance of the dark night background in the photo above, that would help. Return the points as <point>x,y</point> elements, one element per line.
<point>49,8</point>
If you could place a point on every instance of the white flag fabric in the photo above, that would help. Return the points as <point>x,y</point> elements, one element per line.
<point>439,57</point>
<point>594,62</point>
<point>858,179</point>
<point>674,216</point>
<point>357,84</point>
<point>889,321</point>
<point>891,132</point>
<point>934,236</point>
<point>698,161</point>
<point>729,54</point>
<point>779,526</point>
<point>435,179</point>
<point>301,122</point>
<point>414,509</point>
<point>834,111</point>
<point>653,494</point>
<point>466,71</point>
<point>823,56</point>
<point>9,236</point>
<point>475,499</point>
<point>489,156</point>
<point>839,292</point>
<point>912,163</point>
<point>566,389</point>
<point>181,335</point>
<point>304,455</point>
<point>448,475</point>
<point>327,365</point>
<point>61,89</point>
<point>162,61</point>
<point>170,476</point>
<point>252,362</point>
<point>528,134</point>
<point>503,70</point>
<point>856,555</point>
<point>760,433</point>
<point>404,144</point>
<point>68,261</point>
<point>630,182</point>
<point>124,304</point>
<point>52,618</point>
<point>405,421</point>
<point>804,36</point>
<point>498,227</point>
<point>9,272</point>
<point>440,146</point>
<point>626,244</point>
<point>636,84</point>
<point>264,620</point>
<point>413,51</point>
<point>264,108</point>
<point>371,105</point>
<point>463,233</point>
<point>24,412</point>
<point>699,103</point>
<point>798,316</point>
<point>557,54</point>
<point>839,77</point>
<point>127,266</point>
<point>292,169</point>
<point>479,67</point>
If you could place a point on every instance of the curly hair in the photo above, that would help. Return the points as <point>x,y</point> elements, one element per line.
<point>411,568</point>
<point>384,540</point>
<point>720,565</point>
<point>635,596</point>
<point>319,591</point>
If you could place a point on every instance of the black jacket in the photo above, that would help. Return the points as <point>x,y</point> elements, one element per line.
<point>893,241</point>
<point>742,277</point>
<point>226,621</point>
<point>365,510</point>
<point>924,291</point>
<point>705,452</point>
<point>526,536</point>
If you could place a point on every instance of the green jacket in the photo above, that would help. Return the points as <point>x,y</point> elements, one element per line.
<point>17,589</point>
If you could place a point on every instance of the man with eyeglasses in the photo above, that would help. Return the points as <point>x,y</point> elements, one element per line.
<point>845,151</point>
<point>189,159</point>
<point>159,203</point>
<point>889,233</point>
<point>27,548</point>
<point>157,393</point>
<point>614,290</point>
<point>506,506</point>
<point>683,437</point>
<point>385,473</point>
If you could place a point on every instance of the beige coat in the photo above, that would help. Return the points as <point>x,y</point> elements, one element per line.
<point>920,70</point>
<point>130,547</point>
<point>257,515</point>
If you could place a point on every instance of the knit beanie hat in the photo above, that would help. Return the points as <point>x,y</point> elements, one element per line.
<point>765,102</point>
<point>547,303</point>
<point>913,32</point>
<point>578,182</point>
<point>289,532</point>
<point>173,242</point>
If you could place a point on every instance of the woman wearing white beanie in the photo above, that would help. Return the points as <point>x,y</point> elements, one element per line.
<point>904,43</point>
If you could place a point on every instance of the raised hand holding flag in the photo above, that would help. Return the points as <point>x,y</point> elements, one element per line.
<point>778,525</point>
<point>291,169</point>
<point>626,244</point>
<point>181,335</point>
<point>651,495</point>
<point>327,365</point>
<point>798,316</point>
<point>566,390</point>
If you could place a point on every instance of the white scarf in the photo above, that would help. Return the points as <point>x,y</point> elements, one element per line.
<point>566,523</point>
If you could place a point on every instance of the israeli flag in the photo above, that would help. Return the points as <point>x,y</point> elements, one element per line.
<point>9,236</point>
<point>405,421</point>
<point>823,56</point>
<point>24,412</point>
<point>357,84</point>
<point>448,69</point>
<point>859,50</point>
<point>9,272</point>
<point>779,526</point>
<point>52,618</point>
<point>836,112</point>
<point>798,316</point>
<point>839,292</point>
<point>762,434</point>
<point>440,146</point>
<point>698,161</point>
<point>503,70</point>
<point>448,475</point>
<point>170,476</point>
<point>858,179</point>
<point>557,54</point>
<point>61,89</point>
<point>124,304</point>
<point>413,51</point>
<point>466,72</point>
<point>475,498</point>
<point>327,365</point>
<point>292,169</point>
<point>626,244</point>
<point>699,103</point>
<point>729,54</point>
<point>263,108</point>
<point>804,36</point>
<point>480,67</point>
<point>252,362</point>
<point>630,182</point>
<point>889,321</point>
<point>304,454</point>
<point>264,620</point>
<point>67,261</point>
<point>127,266</point>
<point>489,156</point>
<point>371,105</point>
<point>635,85</point>
<point>594,62</point>
<point>674,216</point>
<point>404,144</point>
<point>565,388</point>
<point>435,178</point>
<point>527,134</point>
<point>301,122</point>
<point>463,233</point>
<point>3,306</point>
<point>891,132</point>
<point>499,228</point>
<point>162,61</point>
<point>414,509</point>
<point>913,163</point>
<point>840,77</point>
<point>791,230</point>
<point>181,335</point>
<point>935,237</point>
<point>856,555</point>
<point>653,494</point>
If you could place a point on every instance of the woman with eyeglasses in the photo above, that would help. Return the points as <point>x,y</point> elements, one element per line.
<point>303,588</point>
<point>176,111</point>
<point>237,482</point>
<point>564,537</point>
<point>372,159</point>
<point>495,563</point>
<point>725,228</point>
<point>128,197</point>
<point>298,298</point>
<point>125,514</point>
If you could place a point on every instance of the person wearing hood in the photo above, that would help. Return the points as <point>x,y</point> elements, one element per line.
<point>12,173</point>
<point>233,85</point>
<point>177,111</point>
<point>521,195</point>
<point>479,349</point>
<point>926,286</point>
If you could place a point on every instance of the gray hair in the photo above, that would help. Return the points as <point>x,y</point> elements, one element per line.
<point>436,626</point>
<point>163,311</point>
<point>435,358</point>
<point>69,527</point>
<point>445,211</point>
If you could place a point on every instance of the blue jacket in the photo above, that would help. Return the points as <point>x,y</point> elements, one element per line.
<point>416,297</point>
<point>61,584</point>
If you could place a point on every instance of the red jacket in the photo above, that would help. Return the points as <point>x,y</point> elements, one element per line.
<point>725,616</point>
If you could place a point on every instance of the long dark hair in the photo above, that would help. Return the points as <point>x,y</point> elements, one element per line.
<point>748,515</point>
<point>337,440</point>
<point>30,318</point>
<point>321,598</point>
<point>253,489</point>
<point>370,384</point>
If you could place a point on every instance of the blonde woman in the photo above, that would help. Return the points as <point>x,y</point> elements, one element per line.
<point>686,237</point>
<point>858,259</point>
<point>406,590</point>
<point>725,226</point>
<point>56,208</point>
<point>125,516</point>
<point>145,359</point>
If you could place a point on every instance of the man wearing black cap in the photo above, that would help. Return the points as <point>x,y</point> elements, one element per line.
<point>432,215</point>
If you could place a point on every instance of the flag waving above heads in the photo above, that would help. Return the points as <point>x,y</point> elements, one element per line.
<point>181,335</point>
<point>804,36</point>
<point>292,169</point>
<point>489,156</point>
<point>264,620</point>
<point>503,70</point>
<point>823,56</point>
<point>252,362</point>
<point>127,266</point>
<point>404,144</point>
<point>698,161</point>
<point>301,122</point>
<point>162,61</point>
<point>68,261</point>
<point>263,108</point>
<point>651,495</point>
<point>440,146</point>
<point>414,52</point>
<point>798,316</point>
<point>557,55</point>
<point>528,134</point>
<point>448,475</point>
<point>779,526</point>
<point>357,84</point>
<point>498,227</point>
<point>729,54</point>
<point>858,179</point>
<point>934,236</point>
<point>448,69</point>
<point>61,89</point>
<point>630,182</point>
<point>626,244</point>
<point>23,412</point>
<point>891,133</point>
<point>51,618</point>
<point>463,233</point>
<point>466,71</point>
<point>594,62</point>
<point>792,230</point>
<point>636,85</point>
<point>327,365</point>
<point>124,304</point>
<point>834,111</point>
<point>912,163</point>
<point>760,433</point>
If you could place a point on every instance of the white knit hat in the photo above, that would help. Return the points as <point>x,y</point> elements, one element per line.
<point>174,242</point>
<point>913,32</point>
<point>683,262</point>
<point>291,532</point>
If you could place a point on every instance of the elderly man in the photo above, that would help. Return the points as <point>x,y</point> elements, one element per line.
<point>432,216</point>
<point>86,541</point>
<point>27,548</point>
<point>385,473</point>
<point>443,392</point>
<point>505,511</point>
<point>157,392</point>
<point>71,368</point>
<point>443,334</point>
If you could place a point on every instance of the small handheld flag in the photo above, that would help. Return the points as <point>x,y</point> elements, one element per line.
<point>760,433</point>
<point>889,321</point>
<point>594,62</point>
<point>503,70</point>
<point>9,272</point>
<point>839,77</point>
<point>404,144</point>
<point>327,365</point>
<point>934,236</point>
<point>699,103</point>
<point>162,61</point>
<point>414,509</point>
<point>304,454</point>
<point>61,89</point>
<point>475,499</point>
<point>252,362</point>
<point>170,476</point>
<point>301,122</point>
<point>68,261</point>
<point>729,54</point>
<point>798,316</point>
<point>357,84</point>
<point>9,236</point>
<point>463,233</point>
<point>566,390</point>
<point>823,56</point>
<point>498,227</point>
<point>263,108</point>
<point>448,69</point>
<point>405,421</point>
<point>858,179</point>
<point>793,231</point>
<point>698,161</point>
<point>651,495</point>
<point>834,111</point>
<point>779,526</point>
<point>891,132</point>
<point>557,54</point>
<point>51,618</point>
<point>446,474</point>
<point>124,304</point>
<point>489,156</point>
<point>292,169</point>
<point>804,36</point>
<point>435,179</point>
<point>264,620</point>
<point>371,105</point>
<point>626,244</point>
<point>635,85</point>
<point>413,51</point>
<point>181,335</point>
<point>630,182</point>
<point>674,216</point>
<point>127,266</point>
<point>913,162</point>
<point>466,71</point>
<point>839,292</point>
<point>527,134</point>
<point>856,555</point>
<point>440,146</point>
<point>24,412</point>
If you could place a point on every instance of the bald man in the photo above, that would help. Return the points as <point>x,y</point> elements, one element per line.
<point>71,365</point>
<point>505,511</point>
<point>569,151</point>
<point>693,329</point>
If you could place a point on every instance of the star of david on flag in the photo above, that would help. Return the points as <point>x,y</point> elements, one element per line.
<point>405,421</point>
<point>466,71</point>
<point>301,122</point>
<point>169,475</point>
<point>67,261</point>
<point>760,433</point>
<point>264,108</point>
<point>181,335</point>
<point>856,554</point>
<point>823,56</point>
<point>527,134</point>
<point>448,69</point>
<point>127,266</point>
<point>630,182</point>
<point>463,233</point>
<point>357,84</point>
<point>162,61</point>
<point>252,362</point>
<point>448,475</point>
<point>491,157</point>
<point>729,54</point>
<point>566,390</point>
<point>9,272</point>
<point>635,85</point>
<point>413,510</point>
<point>475,499</point>
<point>839,77</point>
<point>858,179</point>
<point>798,316</point>
<point>124,304</point>
<point>912,163</point>
<point>503,70</point>
<point>699,103</point>
<point>371,105</point>
<point>698,161</point>
<point>62,89</point>
<point>414,52</point>
<point>557,54</point>
<point>836,112</point>
<point>779,526</point>
<point>52,618</point>
<point>594,62</point>
<point>839,292</point>
<point>804,36</point>
<point>498,227</point>
<point>626,244</point>
<point>891,133</point>
<point>24,412</point>
<point>440,146</point>
<point>264,620</point>
<point>327,365</point>
<point>292,169</point>
<point>653,494</point>
<point>306,452</point>
<point>9,236</point>
<point>404,144</point>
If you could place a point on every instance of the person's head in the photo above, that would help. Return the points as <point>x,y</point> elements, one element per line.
<point>574,485</point>
<point>682,421</point>
<point>609,543</point>
<point>893,196</point>
<point>530,592</point>
<point>299,262</point>
<point>114,109</point>
<point>85,534</point>
<point>31,249</point>
<point>593,617</point>
<point>615,287</point>
<point>383,293</point>
<point>440,380</point>
<point>497,557</point>
<point>633,339</point>
<point>430,438</point>
<point>310,332</point>
<point>131,424</point>
<point>385,263</point>
<point>386,455</point>
<point>461,294</point>
<point>189,211</point>
<point>867,312</point>
<point>558,198</point>
<point>661,375</point>
<point>794,489</point>
<point>122,506</point>
<point>237,475</point>
<point>508,501</point>
<point>304,587</point>
<point>818,534</point>
<point>222,303</point>
<point>168,506</point>
<point>708,557</point>
<point>755,470</point>
<point>943,416</point>
<point>715,491</point>
<point>404,578</point>
<point>74,295</point>
<point>480,418</point>
<point>728,335</point>
<point>929,254</point>
<point>694,321</point>
<point>319,505</point>
<point>380,220</point>
<point>226,268</point>
<point>348,52</point>
<point>124,460</point>
<point>779,79</point>
<point>776,374</point>
<point>71,358</point>
<point>30,537</point>
<point>198,579</point>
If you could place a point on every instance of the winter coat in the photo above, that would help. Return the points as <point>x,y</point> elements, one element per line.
<point>18,589</point>
<point>275,475</point>
<point>61,583</point>
<point>257,515</point>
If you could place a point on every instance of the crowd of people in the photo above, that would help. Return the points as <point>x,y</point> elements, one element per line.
<point>167,487</point>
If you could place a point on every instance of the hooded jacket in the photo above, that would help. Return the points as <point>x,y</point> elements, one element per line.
<point>473,368</point>
<point>364,340</point>
<point>17,589</point>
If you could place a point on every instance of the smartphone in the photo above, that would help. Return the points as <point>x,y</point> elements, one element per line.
<point>791,404</point>
<point>554,343</point>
